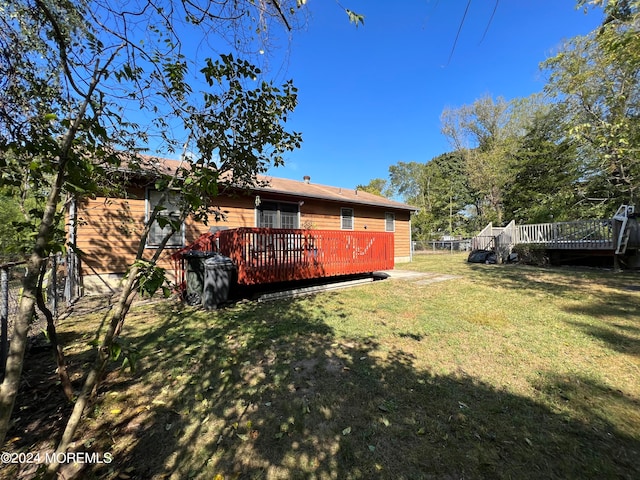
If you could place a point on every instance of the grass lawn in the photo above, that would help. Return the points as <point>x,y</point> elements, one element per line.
<point>504,372</point>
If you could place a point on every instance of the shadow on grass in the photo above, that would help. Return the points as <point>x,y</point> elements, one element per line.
<point>602,297</point>
<point>614,336</point>
<point>270,391</point>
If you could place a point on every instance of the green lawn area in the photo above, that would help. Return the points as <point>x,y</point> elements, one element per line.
<point>507,371</point>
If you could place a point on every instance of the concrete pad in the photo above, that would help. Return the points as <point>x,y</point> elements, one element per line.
<point>437,278</point>
<point>401,274</point>
<point>420,278</point>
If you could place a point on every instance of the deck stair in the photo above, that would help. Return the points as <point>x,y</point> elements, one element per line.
<point>622,216</point>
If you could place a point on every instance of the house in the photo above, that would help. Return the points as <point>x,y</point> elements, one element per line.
<point>106,230</point>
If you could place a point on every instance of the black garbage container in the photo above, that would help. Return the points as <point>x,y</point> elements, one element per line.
<point>194,265</point>
<point>219,277</point>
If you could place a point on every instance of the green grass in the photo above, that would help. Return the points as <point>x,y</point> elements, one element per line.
<point>504,372</point>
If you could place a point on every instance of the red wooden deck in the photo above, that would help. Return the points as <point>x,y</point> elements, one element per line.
<point>266,255</point>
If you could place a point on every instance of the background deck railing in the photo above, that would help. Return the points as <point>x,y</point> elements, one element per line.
<point>583,234</point>
<point>485,240</point>
<point>269,255</point>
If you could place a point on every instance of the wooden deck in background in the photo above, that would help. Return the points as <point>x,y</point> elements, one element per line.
<point>600,236</point>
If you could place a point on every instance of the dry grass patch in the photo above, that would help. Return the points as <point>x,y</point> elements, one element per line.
<point>506,372</point>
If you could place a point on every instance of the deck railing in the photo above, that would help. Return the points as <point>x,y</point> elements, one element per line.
<point>583,234</point>
<point>485,240</point>
<point>266,255</point>
<point>269,255</point>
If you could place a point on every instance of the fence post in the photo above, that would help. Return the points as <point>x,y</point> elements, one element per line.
<point>4,319</point>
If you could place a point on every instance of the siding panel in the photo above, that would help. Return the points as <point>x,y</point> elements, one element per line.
<point>109,229</point>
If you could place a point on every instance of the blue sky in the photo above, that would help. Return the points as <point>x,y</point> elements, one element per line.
<point>372,96</point>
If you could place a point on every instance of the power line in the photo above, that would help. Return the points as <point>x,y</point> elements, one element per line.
<point>459,30</point>
<point>495,7</point>
<point>464,16</point>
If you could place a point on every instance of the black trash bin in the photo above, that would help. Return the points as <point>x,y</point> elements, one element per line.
<point>219,277</point>
<point>194,263</point>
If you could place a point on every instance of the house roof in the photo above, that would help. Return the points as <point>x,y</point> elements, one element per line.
<point>324,192</point>
<point>296,188</point>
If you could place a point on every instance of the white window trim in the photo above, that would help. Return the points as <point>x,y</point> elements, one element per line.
<point>352,216</point>
<point>393,219</point>
<point>147,213</point>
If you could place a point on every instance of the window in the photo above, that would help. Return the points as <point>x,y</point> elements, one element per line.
<point>346,218</point>
<point>389,222</point>
<point>278,215</point>
<point>170,212</point>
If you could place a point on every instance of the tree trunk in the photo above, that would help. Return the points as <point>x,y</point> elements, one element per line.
<point>115,321</point>
<point>13,371</point>
<point>58,354</point>
<point>11,382</point>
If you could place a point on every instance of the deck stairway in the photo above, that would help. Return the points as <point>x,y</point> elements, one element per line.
<point>622,216</point>
<point>604,235</point>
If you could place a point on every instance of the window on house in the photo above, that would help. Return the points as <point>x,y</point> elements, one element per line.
<point>160,227</point>
<point>346,218</point>
<point>389,222</point>
<point>278,215</point>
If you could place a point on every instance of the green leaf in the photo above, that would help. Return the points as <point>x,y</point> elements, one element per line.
<point>354,17</point>
<point>116,350</point>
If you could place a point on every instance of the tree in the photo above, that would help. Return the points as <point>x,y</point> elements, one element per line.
<point>449,196</point>
<point>596,78</point>
<point>377,186</point>
<point>440,191</point>
<point>87,86</point>
<point>481,133</point>
<point>11,238</point>
<point>489,134</point>
<point>545,185</point>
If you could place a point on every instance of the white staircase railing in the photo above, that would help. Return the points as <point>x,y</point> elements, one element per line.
<point>622,216</point>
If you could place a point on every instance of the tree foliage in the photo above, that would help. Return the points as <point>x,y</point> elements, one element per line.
<point>545,184</point>
<point>571,154</point>
<point>596,78</point>
<point>486,134</point>
<point>377,186</point>
<point>87,87</point>
<point>439,188</point>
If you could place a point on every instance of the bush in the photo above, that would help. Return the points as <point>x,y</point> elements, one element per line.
<point>532,254</point>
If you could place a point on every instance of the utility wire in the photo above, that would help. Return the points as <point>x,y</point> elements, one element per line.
<point>495,7</point>
<point>455,42</point>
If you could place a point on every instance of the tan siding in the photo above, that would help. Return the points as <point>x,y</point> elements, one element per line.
<point>403,234</point>
<point>238,212</point>
<point>109,229</point>
<point>326,216</point>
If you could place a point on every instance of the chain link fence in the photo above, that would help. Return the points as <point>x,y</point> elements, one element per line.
<point>442,246</point>
<point>54,287</point>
